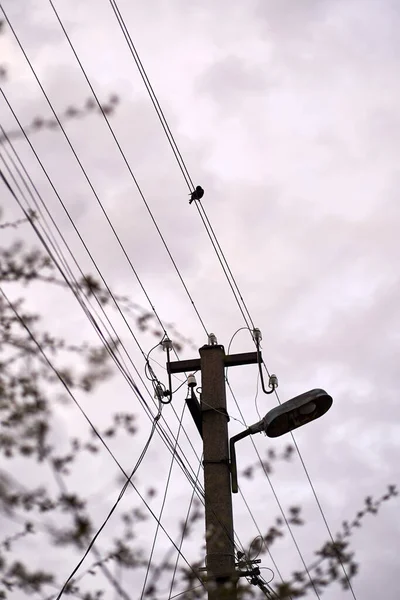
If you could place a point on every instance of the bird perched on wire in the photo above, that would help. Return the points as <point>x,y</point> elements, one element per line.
<point>197,194</point>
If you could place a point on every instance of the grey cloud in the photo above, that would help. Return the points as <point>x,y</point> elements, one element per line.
<point>302,194</point>
<point>231,80</point>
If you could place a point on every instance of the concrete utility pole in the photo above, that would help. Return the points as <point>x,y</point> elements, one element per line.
<point>220,559</point>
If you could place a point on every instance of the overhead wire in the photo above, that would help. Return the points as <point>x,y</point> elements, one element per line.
<point>95,431</point>
<point>185,592</point>
<point>256,396</point>
<point>183,535</point>
<point>97,198</point>
<point>105,284</point>
<point>162,433</point>
<point>204,216</point>
<point>176,152</point>
<point>179,159</point>
<point>347,578</point>
<point>233,284</point>
<point>94,192</point>
<point>125,161</point>
<point>86,248</point>
<point>77,290</point>
<point>201,497</point>
<point>162,507</point>
<point>86,176</point>
<point>172,141</point>
<point>114,506</point>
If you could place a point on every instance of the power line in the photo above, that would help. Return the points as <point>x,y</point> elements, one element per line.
<point>162,507</point>
<point>126,163</point>
<point>185,592</point>
<point>57,195</point>
<point>179,159</point>
<point>97,434</point>
<point>204,218</point>
<point>175,454</point>
<point>68,283</point>
<point>121,494</point>
<point>17,201</point>
<point>162,433</point>
<point>98,200</point>
<point>317,500</point>
<point>91,257</point>
<point>119,147</point>
<point>84,173</point>
<point>183,536</point>
<point>200,210</point>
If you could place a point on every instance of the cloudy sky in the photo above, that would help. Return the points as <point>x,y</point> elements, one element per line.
<point>287,114</point>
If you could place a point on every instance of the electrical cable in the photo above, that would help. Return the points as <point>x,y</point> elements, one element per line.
<point>179,158</point>
<point>185,592</point>
<point>184,471</point>
<point>121,494</point>
<point>162,433</point>
<point>123,156</point>
<point>112,226</point>
<point>235,334</point>
<point>204,216</point>
<point>183,167</point>
<point>82,241</point>
<point>315,496</point>
<point>182,384</point>
<point>183,536</point>
<point>85,175</point>
<point>223,413</point>
<point>162,507</point>
<point>230,344</point>
<point>87,312</point>
<point>97,434</point>
<point>64,207</point>
<point>82,168</point>
<point>191,187</point>
<point>256,396</point>
<point>259,531</point>
<point>142,350</point>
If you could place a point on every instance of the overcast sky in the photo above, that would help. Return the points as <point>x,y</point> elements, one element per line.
<point>287,114</point>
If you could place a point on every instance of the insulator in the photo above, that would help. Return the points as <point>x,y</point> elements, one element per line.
<point>166,344</point>
<point>273,381</point>
<point>257,335</point>
<point>212,339</point>
<point>191,380</point>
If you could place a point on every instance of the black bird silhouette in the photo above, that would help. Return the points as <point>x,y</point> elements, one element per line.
<point>197,194</point>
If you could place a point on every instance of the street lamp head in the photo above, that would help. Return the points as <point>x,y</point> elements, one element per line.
<point>296,412</point>
<point>284,418</point>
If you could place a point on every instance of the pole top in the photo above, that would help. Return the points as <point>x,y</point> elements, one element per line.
<point>212,347</point>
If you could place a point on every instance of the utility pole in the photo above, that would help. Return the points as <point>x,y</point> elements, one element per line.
<point>220,559</point>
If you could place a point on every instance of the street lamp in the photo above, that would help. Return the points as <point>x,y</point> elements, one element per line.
<point>284,418</point>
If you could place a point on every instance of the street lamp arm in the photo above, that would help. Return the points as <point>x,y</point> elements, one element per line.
<point>232,454</point>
